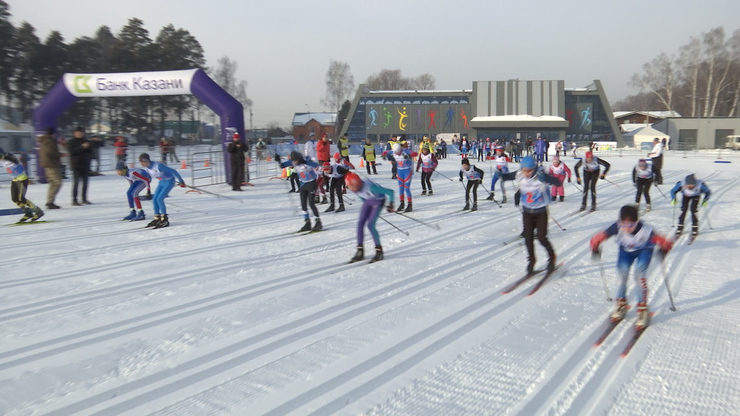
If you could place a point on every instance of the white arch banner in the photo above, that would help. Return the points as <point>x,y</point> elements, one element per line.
<point>129,84</point>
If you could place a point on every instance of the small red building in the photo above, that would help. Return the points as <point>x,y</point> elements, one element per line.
<point>316,124</point>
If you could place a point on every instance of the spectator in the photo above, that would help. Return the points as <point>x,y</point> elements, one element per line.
<point>656,155</point>
<point>172,149</point>
<point>80,153</point>
<point>236,150</point>
<point>51,161</point>
<point>121,148</point>
<point>260,146</point>
<point>163,149</point>
<point>96,143</point>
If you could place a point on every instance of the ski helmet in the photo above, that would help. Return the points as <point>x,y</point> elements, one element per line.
<point>527,163</point>
<point>690,180</point>
<point>628,212</point>
<point>353,180</point>
<point>589,155</point>
<point>296,156</point>
<point>397,148</point>
<point>144,157</point>
<point>337,156</point>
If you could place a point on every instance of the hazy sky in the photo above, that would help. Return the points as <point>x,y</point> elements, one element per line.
<point>283,48</point>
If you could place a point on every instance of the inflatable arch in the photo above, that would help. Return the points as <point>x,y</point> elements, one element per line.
<point>134,84</point>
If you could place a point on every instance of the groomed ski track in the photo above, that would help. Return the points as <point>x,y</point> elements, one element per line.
<point>225,312</point>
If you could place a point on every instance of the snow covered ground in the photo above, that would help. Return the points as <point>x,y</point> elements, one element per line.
<point>228,312</point>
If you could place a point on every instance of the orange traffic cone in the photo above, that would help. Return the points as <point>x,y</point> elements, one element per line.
<point>269,159</point>
<point>362,165</point>
<point>208,163</point>
<point>284,174</point>
<point>183,165</point>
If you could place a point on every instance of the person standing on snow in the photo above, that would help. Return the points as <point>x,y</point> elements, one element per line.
<point>475,177</point>
<point>167,177</point>
<point>591,170</point>
<point>428,163</point>
<point>637,241</point>
<point>236,151</point>
<point>368,154</point>
<point>404,171</point>
<point>534,197</point>
<point>642,177</point>
<point>373,198</point>
<point>306,171</point>
<point>657,156</point>
<point>691,189</point>
<point>502,165</point>
<point>559,170</point>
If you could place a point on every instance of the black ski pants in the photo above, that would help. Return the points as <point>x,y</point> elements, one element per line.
<point>306,191</point>
<point>474,186</point>
<point>643,188</point>
<point>335,188</point>
<point>589,184</point>
<point>692,201</point>
<point>426,182</point>
<point>367,165</point>
<point>536,221</point>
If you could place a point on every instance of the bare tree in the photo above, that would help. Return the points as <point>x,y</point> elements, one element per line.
<point>389,79</point>
<point>425,82</point>
<point>734,50</point>
<point>225,76</point>
<point>713,42</point>
<point>658,78</point>
<point>688,65</point>
<point>339,84</point>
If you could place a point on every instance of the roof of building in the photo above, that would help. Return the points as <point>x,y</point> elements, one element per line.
<point>646,131</point>
<point>522,120</point>
<point>323,118</point>
<point>655,114</point>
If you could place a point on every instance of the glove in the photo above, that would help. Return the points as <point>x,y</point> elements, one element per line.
<point>578,180</point>
<point>389,208</point>
<point>674,202</point>
<point>277,157</point>
<point>460,179</point>
<point>568,179</point>
<point>602,176</point>
<point>181,184</point>
<point>597,240</point>
<point>704,204</point>
<point>596,255</point>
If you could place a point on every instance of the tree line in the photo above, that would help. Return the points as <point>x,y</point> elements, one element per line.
<point>702,79</point>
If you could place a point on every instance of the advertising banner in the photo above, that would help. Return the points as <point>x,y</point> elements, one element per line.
<point>129,84</point>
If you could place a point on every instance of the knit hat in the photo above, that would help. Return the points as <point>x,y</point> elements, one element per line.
<point>628,212</point>
<point>352,180</point>
<point>295,156</point>
<point>690,180</point>
<point>589,154</point>
<point>527,163</point>
<point>465,161</point>
<point>144,157</point>
<point>397,147</point>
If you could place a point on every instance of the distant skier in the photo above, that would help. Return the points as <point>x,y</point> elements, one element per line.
<point>18,186</point>
<point>475,177</point>
<point>404,169</point>
<point>336,171</point>
<point>591,170</point>
<point>306,171</point>
<point>167,177</point>
<point>691,189</point>
<point>428,163</point>
<point>502,166</point>
<point>540,150</point>
<point>534,197</point>
<point>559,170</point>
<point>642,177</point>
<point>373,198</point>
<point>637,241</point>
<point>138,180</point>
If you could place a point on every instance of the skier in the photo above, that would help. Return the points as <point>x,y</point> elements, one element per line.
<point>167,177</point>
<point>373,198</point>
<point>138,179</point>
<point>335,171</point>
<point>534,196</point>
<point>642,177</point>
<point>502,165</point>
<point>475,177</point>
<point>404,164</point>
<point>428,163</point>
<point>591,171</point>
<point>368,154</point>
<point>691,189</point>
<point>540,150</point>
<point>637,241</point>
<point>559,170</point>
<point>306,171</point>
<point>18,187</point>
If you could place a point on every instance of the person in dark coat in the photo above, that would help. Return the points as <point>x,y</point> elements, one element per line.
<point>236,150</point>
<point>80,154</point>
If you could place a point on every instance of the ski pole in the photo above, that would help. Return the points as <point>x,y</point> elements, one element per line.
<point>557,223</point>
<point>186,208</point>
<point>576,186</point>
<point>660,190</point>
<point>443,175</point>
<point>673,219</point>
<point>213,193</point>
<point>668,288</point>
<point>597,256</point>
<point>613,183</point>
<point>393,225</point>
<point>435,226</point>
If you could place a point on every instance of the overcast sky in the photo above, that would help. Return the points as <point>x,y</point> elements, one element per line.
<point>283,48</point>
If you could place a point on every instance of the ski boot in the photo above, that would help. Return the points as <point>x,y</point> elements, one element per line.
<point>503,200</point>
<point>430,193</point>
<point>694,230</point>
<point>679,230</point>
<point>330,209</point>
<point>424,192</point>
<point>323,200</point>
<point>474,207</point>
<point>619,311</point>
<point>583,207</point>
<point>154,222</point>
<point>593,207</point>
<point>140,216</point>
<point>27,216</point>
<point>648,208</point>
<point>643,316</point>
<point>163,222</point>
<point>378,254</point>
<point>551,265</point>
<point>401,206</point>
<point>466,207</point>
<point>306,226</point>
<point>530,266</point>
<point>490,197</point>
<point>562,198</point>
<point>37,213</point>
<point>359,254</point>
<point>341,208</point>
<point>408,207</point>
<point>75,203</point>
<point>130,217</point>
<point>316,225</point>
<point>637,206</point>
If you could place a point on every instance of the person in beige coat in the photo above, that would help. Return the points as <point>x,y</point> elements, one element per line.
<point>50,160</point>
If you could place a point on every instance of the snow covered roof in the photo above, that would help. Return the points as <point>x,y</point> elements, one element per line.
<point>628,127</point>
<point>323,118</point>
<point>647,131</point>
<point>518,117</point>
<point>656,114</point>
<point>519,120</point>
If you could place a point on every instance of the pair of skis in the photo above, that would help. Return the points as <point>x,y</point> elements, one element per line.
<point>611,325</point>
<point>528,276</point>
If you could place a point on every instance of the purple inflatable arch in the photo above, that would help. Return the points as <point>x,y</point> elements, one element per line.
<point>132,84</point>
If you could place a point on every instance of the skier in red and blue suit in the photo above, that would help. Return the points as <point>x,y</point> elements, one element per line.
<point>404,171</point>
<point>167,177</point>
<point>307,175</point>
<point>138,180</point>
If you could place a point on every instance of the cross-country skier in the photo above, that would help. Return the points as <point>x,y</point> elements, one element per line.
<point>335,171</point>
<point>167,177</point>
<point>591,170</point>
<point>534,196</point>
<point>428,163</point>
<point>373,198</point>
<point>691,189</point>
<point>637,241</point>
<point>404,169</point>
<point>475,177</point>
<point>642,177</point>
<point>18,186</point>
<point>138,179</point>
<point>502,165</point>
<point>306,171</point>
<point>559,170</point>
